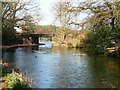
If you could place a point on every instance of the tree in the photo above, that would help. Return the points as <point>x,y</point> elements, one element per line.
<point>0,24</point>
<point>62,16</point>
<point>102,20</point>
<point>12,13</point>
<point>28,25</point>
<point>9,10</point>
<point>117,14</point>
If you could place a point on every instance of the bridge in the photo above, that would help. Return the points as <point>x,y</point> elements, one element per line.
<point>35,38</point>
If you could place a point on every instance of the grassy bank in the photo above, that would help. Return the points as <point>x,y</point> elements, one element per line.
<point>71,40</point>
<point>12,78</point>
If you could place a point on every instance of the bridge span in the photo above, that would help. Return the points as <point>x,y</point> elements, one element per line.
<point>35,38</point>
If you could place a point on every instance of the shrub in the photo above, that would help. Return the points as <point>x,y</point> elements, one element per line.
<point>98,40</point>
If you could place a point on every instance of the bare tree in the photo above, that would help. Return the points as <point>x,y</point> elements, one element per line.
<point>99,14</point>
<point>62,16</point>
<point>13,12</point>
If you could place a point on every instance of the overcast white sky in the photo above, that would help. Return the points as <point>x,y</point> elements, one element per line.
<point>47,12</point>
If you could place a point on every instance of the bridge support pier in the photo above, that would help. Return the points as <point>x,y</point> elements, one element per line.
<point>35,40</point>
<point>50,38</point>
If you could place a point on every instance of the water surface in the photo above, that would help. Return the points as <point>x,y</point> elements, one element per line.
<point>64,68</point>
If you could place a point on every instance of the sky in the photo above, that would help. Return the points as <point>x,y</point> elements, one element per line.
<point>47,10</point>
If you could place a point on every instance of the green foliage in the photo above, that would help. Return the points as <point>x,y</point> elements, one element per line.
<point>4,72</point>
<point>14,82</point>
<point>104,27</point>
<point>99,40</point>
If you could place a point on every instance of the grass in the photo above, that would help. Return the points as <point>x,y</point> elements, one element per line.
<point>13,81</point>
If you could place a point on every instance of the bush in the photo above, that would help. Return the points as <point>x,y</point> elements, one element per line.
<point>99,40</point>
<point>14,81</point>
<point>4,72</point>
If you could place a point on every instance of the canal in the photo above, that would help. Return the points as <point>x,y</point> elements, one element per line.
<point>63,67</point>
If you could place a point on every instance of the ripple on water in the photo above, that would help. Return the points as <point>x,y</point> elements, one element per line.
<point>58,67</point>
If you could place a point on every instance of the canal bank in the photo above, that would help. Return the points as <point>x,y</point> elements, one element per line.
<point>16,45</point>
<point>12,78</point>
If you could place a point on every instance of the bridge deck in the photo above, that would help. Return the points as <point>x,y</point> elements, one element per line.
<point>38,35</point>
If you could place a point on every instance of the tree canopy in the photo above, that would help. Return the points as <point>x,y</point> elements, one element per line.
<point>102,21</point>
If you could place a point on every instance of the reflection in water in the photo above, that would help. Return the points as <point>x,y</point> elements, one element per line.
<point>62,67</point>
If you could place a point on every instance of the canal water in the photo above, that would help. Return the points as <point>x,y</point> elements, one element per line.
<point>63,68</point>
